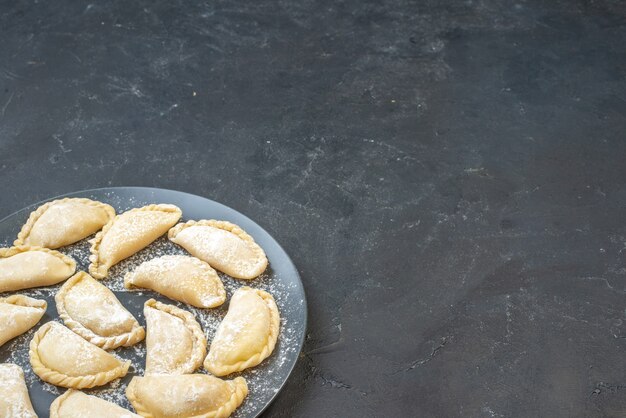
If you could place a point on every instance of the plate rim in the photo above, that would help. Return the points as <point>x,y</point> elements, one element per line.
<point>300,284</point>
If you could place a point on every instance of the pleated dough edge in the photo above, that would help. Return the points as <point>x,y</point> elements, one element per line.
<point>98,271</point>
<point>37,213</point>
<point>224,411</point>
<point>230,227</point>
<point>137,334</point>
<point>74,382</point>
<point>199,348</point>
<point>223,370</point>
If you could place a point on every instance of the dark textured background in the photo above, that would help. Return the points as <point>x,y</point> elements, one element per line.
<point>448,176</point>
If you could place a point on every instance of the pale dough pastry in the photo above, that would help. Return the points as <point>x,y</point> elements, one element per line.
<point>225,246</point>
<point>179,277</point>
<point>61,357</point>
<point>92,311</point>
<point>23,267</point>
<point>64,222</point>
<point>247,334</point>
<point>189,395</point>
<point>18,314</point>
<point>76,404</point>
<point>129,233</point>
<point>175,343</point>
<point>14,399</point>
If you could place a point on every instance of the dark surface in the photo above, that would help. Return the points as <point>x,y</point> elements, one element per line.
<point>281,279</point>
<point>448,176</point>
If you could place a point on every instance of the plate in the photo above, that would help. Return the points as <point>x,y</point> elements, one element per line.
<point>281,279</point>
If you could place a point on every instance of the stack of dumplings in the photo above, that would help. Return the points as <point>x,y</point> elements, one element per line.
<point>73,351</point>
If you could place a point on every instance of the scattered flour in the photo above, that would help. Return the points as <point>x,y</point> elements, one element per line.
<point>263,381</point>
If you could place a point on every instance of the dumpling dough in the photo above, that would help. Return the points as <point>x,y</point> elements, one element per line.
<point>60,357</point>
<point>129,233</point>
<point>92,311</point>
<point>247,334</point>
<point>76,404</point>
<point>223,245</point>
<point>179,277</point>
<point>175,343</point>
<point>189,395</point>
<point>14,399</point>
<point>18,314</point>
<point>64,222</point>
<point>24,266</point>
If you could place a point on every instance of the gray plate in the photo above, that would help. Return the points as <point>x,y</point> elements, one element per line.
<point>281,279</point>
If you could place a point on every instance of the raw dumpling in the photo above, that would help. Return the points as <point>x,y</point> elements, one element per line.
<point>18,314</point>
<point>223,245</point>
<point>188,395</point>
<point>64,222</point>
<point>92,311</point>
<point>14,400</point>
<point>129,233</point>
<point>247,334</point>
<point>76,404</point>
<point>60,357</point>
<point>179,277</point>
<point>23,267</point>
<point>175,343</point>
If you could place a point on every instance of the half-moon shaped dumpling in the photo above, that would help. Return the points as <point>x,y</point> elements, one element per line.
<point>14,400</point>
<point>18,314</point>
<point>175,343</point>
<point>60,357</point>
<point>188,395</point>
<point>129,233</point>
<point>92,311</point>
<point>179,277</point>
<point>225,246</point>
<point>23,267</point>
<point>247,334</point>
<point>76,404</point>
<point>64,222</point>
